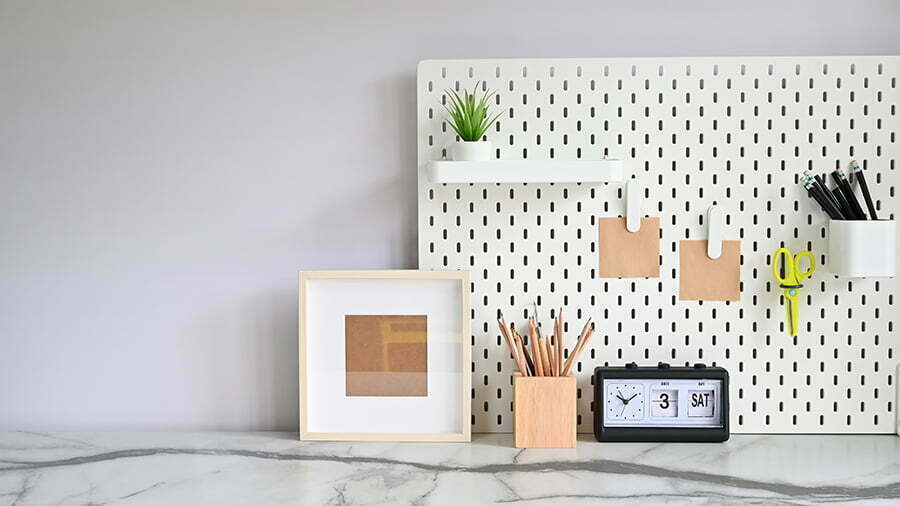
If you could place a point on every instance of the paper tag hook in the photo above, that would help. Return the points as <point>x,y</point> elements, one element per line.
<point>633,205</point>
<point>714,228</point>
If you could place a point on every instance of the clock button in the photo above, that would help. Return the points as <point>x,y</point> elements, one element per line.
<point>631,365</point>
<point>700,366</point>
<point>663,365</point>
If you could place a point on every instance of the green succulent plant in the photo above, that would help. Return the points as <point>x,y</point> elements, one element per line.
<point>469,115</point>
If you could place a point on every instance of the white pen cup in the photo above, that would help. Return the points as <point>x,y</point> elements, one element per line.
<point>862,248</point>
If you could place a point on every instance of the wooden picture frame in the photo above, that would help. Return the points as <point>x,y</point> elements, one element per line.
<point>462,322</point>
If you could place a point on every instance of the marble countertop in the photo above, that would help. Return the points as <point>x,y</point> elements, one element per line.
<point>275,468</point>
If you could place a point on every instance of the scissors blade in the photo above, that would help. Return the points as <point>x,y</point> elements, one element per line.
<point>790,316</point>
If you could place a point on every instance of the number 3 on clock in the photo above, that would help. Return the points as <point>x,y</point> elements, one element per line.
<point>665,403</point>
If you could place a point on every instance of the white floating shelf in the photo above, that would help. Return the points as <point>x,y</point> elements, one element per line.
<point>526,171</point>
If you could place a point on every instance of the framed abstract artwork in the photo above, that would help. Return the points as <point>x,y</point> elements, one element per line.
<point>385,356</point>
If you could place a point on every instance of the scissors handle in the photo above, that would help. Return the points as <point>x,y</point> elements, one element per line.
<point>783,257</point>
<point>801,274</point>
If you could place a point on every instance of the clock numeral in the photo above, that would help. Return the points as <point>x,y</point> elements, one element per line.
<point>665,403</point>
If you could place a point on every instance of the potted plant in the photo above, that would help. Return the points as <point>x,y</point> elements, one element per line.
<point>469,116</point>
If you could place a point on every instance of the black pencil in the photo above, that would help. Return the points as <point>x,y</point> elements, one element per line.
<point>823,188</point>
<point>856,170</point>
<point>819,197</point>
<point>841,179</point>
<point>838,197</point>
<point>844,206</point>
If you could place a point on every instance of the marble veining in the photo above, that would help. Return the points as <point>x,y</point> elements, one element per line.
<point>275,468</point>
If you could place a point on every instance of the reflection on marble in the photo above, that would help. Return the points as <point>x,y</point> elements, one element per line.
<point>275,468</point>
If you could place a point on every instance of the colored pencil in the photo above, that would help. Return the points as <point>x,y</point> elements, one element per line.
<point>574,355</point>
<point>536,347</point>
<point>559,342</point>
<point>513,346</point>
<point>532,370</point>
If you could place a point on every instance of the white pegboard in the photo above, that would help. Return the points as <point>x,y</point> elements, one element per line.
<point>734,132</point>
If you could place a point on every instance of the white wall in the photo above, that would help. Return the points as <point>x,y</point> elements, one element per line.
<point>166,167</point>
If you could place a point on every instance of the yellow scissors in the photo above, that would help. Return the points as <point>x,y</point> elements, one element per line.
<point>792,281</point>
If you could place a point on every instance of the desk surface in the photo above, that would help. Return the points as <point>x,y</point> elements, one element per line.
<point>275,468</point>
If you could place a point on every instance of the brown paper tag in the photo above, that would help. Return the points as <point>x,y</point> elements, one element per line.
<point>702,278</point>
<point>625,254</point>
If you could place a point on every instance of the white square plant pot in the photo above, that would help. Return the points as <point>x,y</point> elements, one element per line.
<point>472,151</point>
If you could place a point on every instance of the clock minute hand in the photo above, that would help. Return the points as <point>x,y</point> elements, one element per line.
<point>632,397</point>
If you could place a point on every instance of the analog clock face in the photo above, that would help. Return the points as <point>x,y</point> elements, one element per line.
<point>625,401</point>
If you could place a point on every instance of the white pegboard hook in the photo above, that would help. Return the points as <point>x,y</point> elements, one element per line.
<point>714,228</point>
<point>633,205</point>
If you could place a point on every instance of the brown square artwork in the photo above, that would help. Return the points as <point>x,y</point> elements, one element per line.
<point>386,355</point>
<point>702,278</point>
<point>625,254</point>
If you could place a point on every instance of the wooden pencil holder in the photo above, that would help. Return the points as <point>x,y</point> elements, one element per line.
<point>544,411</point>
